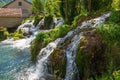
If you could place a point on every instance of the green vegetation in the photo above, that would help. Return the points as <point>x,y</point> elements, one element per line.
<point>115,17</point>
<point>116,4</point>
<point>3,33</point>
<point>17,35</point>
<point>110,33</point>
<point>37,6</point>
<point>116,75</point>
<point>98,54</point>
<point>96,59</point>
<point>42,39</point>
<point>48,21</point>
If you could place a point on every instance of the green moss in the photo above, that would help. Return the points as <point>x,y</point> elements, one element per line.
<point>99,54</point>
<point>91,59</point>
<point>58,61</point>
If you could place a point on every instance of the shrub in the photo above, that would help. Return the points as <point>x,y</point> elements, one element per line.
<point>3,33</point>
<point>17,35</point>
<point>115,17</point>
<point>110,32</point>
<point>116,75</point>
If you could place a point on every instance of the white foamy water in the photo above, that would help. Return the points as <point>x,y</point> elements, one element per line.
<point>71,68</point>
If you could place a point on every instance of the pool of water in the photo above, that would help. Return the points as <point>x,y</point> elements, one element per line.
<point>13,60</point>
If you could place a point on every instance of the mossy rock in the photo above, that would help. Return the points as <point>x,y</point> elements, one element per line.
<point>48,22</point>
<point>58,61</point>
<point>35,49</point>
<point>91,59</point>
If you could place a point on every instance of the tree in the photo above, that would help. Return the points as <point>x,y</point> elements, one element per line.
<point>37,6</point>
<point>69,9</point>
<point>52,7</point>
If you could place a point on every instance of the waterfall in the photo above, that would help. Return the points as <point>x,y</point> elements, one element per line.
<point>15,54</point>
<point>71,71</point>
<point>40,70</point>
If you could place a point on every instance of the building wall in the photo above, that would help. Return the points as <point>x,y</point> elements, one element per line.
<point>26,7</point>
<point>10,22</point>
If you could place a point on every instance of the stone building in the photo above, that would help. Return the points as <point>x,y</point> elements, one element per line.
<point>14,12</point>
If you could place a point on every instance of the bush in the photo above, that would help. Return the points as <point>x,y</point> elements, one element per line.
<point>115,17</point>
<point>3,33</point>
<point>110,32</point>
<point>116,75</point>
<point>17,35</point>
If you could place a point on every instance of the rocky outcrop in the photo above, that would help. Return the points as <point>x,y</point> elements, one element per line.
<point>58,60</point>
<point>91,58</point>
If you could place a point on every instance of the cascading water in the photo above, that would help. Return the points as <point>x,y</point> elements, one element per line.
<point>40,70</point>
<point>15,57</point>
<point>71,69</point>
<point>72,72</point>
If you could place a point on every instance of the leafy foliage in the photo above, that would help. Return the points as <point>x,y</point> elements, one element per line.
<point>116,5</point>
<point>52,8</point>
<point>115,17</point>
<point>37,6</point>
<point>116,75</point>
<point>17,35</point>
<point>110,33</point>
<point>3,33</point>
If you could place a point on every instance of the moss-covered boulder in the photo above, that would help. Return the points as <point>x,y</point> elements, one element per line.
<point>58,61</point>
<point>91,59</point>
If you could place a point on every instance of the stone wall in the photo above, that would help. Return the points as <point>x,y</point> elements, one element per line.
<point>10,22</point>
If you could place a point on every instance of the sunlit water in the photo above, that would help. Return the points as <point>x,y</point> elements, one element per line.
<point>13,58</point>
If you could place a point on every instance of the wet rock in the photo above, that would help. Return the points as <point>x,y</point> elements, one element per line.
<point>58,61</point>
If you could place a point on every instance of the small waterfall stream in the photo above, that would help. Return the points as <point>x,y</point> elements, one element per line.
<point>72,71</point>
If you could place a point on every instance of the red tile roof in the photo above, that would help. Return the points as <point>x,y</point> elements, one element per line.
<point>10,12</point>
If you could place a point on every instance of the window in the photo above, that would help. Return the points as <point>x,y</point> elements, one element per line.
<point>19,3</point>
